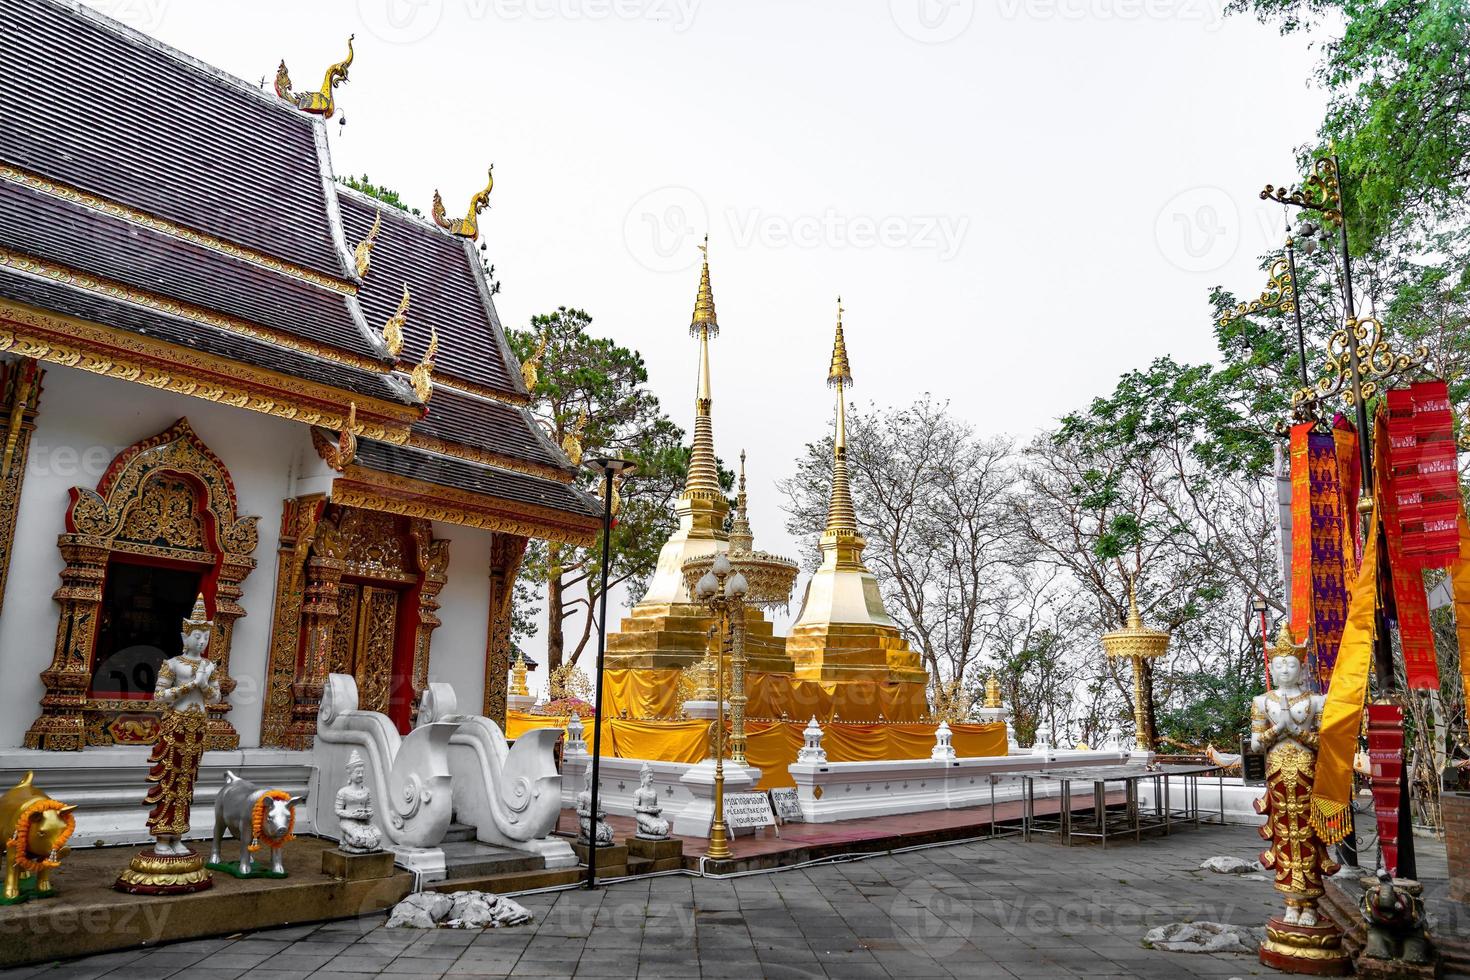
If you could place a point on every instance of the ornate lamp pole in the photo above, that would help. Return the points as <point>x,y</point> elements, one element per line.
<point>724,594</point>
<point>610,469</point>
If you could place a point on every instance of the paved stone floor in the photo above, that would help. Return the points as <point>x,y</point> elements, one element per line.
<point>998,908</point>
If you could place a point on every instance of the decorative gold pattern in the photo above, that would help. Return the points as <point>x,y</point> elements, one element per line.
<point>393,329</point>
<point>704,322</point>
<point>483,391</point>
<point>1280,294</point>
<point>507,551</point>
<point>319,102</point>
<point>112,290</point>
<point>338,453</point>
<point>20,395</point>
<point>98,524</point>
<point>154,873</point>
<point>1377,362</point>
<point>1319,192</point>
<point>374,490</point>
<point>362,255</point>
<point>468,226</point>
<point>113,209</point>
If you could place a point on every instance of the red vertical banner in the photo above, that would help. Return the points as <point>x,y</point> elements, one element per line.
<point>1404,534</point>
<point>1386,754</point>
<point>1301,532</point>
<point>1438,478</point>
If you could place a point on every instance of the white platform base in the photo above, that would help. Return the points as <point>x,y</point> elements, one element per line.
<point>426,862</point>
<point>695,818</point>
<point>555,851</point>
<point>108,784</point>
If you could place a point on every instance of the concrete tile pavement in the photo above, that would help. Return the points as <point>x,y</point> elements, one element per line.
<point>1000,908</point>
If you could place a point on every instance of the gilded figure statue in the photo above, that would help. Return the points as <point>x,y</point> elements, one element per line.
<point>1285,724</point>
<point>186,686</point>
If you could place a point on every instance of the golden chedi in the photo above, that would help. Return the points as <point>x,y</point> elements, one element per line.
<point>844,638</point>
<point>667,631</point>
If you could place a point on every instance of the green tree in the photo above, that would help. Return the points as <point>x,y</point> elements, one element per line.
<point>385,194</point>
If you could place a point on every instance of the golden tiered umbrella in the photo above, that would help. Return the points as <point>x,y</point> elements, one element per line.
<point>1137,643</point>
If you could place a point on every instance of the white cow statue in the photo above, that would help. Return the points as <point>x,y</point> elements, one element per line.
<point>236,809</point>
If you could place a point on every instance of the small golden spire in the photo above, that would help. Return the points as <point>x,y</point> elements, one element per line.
<point>992,692</point>
<point>320,102</point>
<point>469,225</point>
<point>518,676</point>
<point>422,377</point>
<point>198,618</point>
<point>742,541</point>
<point>362,255</point>
<point>704,322</point>
<point>393,329</point>
<point>840,372</point>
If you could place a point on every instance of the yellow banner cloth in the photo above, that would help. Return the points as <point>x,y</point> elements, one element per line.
<point>1460,580</point>
<point>1342,714</point>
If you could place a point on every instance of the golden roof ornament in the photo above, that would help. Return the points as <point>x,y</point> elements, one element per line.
<point>422,377</point>
<point>841,515</point>
<point>571,443</point>
<point>362,254</point>
<point>531,369</point>
<point>704,322</point>
<point>393,329</point>
<point>320,102</point>
<point>198,618</point>
<point>469,225</point>
<point>339,454</point>
<point>1135,639</point>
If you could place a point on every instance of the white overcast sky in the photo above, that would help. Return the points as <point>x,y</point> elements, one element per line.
<point>1017,199</point>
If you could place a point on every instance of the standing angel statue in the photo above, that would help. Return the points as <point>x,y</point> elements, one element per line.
<point>1286,724</point>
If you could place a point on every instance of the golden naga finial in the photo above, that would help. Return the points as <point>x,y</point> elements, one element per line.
<point>468,226</point>
<point>422,377</point>
<point>531,369</point>
<point>319,103</point>
<point>393,329</point>
<point>340,454</point>
<point>840,373</point>
<point>704,321</point>
<point>362,255</point>
<point>571,443</point>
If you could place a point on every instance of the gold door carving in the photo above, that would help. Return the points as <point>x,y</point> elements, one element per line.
<point>377,628</point>
<point>167,497</point>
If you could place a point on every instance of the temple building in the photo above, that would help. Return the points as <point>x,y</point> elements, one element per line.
<point>843,639</point>
<point>216,358</point>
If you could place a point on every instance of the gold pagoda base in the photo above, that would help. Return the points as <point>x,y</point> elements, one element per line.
<point>674,635</point>
<point>151,873</point>
<point>837,652</point>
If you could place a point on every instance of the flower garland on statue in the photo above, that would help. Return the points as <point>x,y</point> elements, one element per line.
<point>257,822</point>
<point>16,846</point>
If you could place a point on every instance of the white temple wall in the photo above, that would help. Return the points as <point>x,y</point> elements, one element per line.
<point>83,422</point>
<point>457,650</point>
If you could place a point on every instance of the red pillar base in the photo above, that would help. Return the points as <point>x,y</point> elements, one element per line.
<point>1315,950</point>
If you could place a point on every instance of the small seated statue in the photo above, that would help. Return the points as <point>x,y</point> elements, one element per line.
<point>645,807</point>
<point>584,816</point>
<point>354,809</point>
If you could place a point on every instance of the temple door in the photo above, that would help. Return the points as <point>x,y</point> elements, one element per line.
<point>363,641</point>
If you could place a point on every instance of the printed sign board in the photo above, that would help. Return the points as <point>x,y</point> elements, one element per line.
<point>748,810</point>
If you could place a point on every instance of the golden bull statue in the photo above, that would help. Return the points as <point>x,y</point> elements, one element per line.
<point>36,829</point>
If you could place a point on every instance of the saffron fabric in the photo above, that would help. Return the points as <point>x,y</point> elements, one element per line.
<point>1460,580</point>
<point>1349,482</point>
<point>644,694</point>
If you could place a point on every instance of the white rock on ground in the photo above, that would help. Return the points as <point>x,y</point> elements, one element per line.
<point>462,910</point>
<point>1229,865</point>
<point>1204,937</point>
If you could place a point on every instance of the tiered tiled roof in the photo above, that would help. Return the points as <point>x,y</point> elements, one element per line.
<point>163,222</point>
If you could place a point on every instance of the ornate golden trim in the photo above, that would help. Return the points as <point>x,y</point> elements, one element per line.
<point>60,339</point>
<point>22,396</point>
<point>374,490</point>
<point>474,454</point>
<point>112,209</point>
<point>117,291</point>
<point>464,387</point>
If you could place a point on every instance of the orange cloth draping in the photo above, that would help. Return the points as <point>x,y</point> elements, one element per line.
<point>640,694</point>
<point>660,741</point>
<point>637,694</point>
<point>518,723</point>
<point>976,741</point>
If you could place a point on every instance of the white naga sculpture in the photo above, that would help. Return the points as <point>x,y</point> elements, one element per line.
<point>354,809</point>
<point>408,775</point>
<point>510,794</point>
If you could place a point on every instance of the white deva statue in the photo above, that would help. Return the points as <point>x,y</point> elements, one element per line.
<point>646,808</point>
<point>354,809</point>
<point>584,816</point>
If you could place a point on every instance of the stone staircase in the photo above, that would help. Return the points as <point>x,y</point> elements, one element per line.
<point>467,858</point>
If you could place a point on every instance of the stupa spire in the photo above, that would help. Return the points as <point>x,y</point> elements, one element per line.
<point>742,540</point>
<point>703,480</point>
<point>841,518</point>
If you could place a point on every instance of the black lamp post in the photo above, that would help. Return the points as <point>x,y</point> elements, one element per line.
<point>610,469</point>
